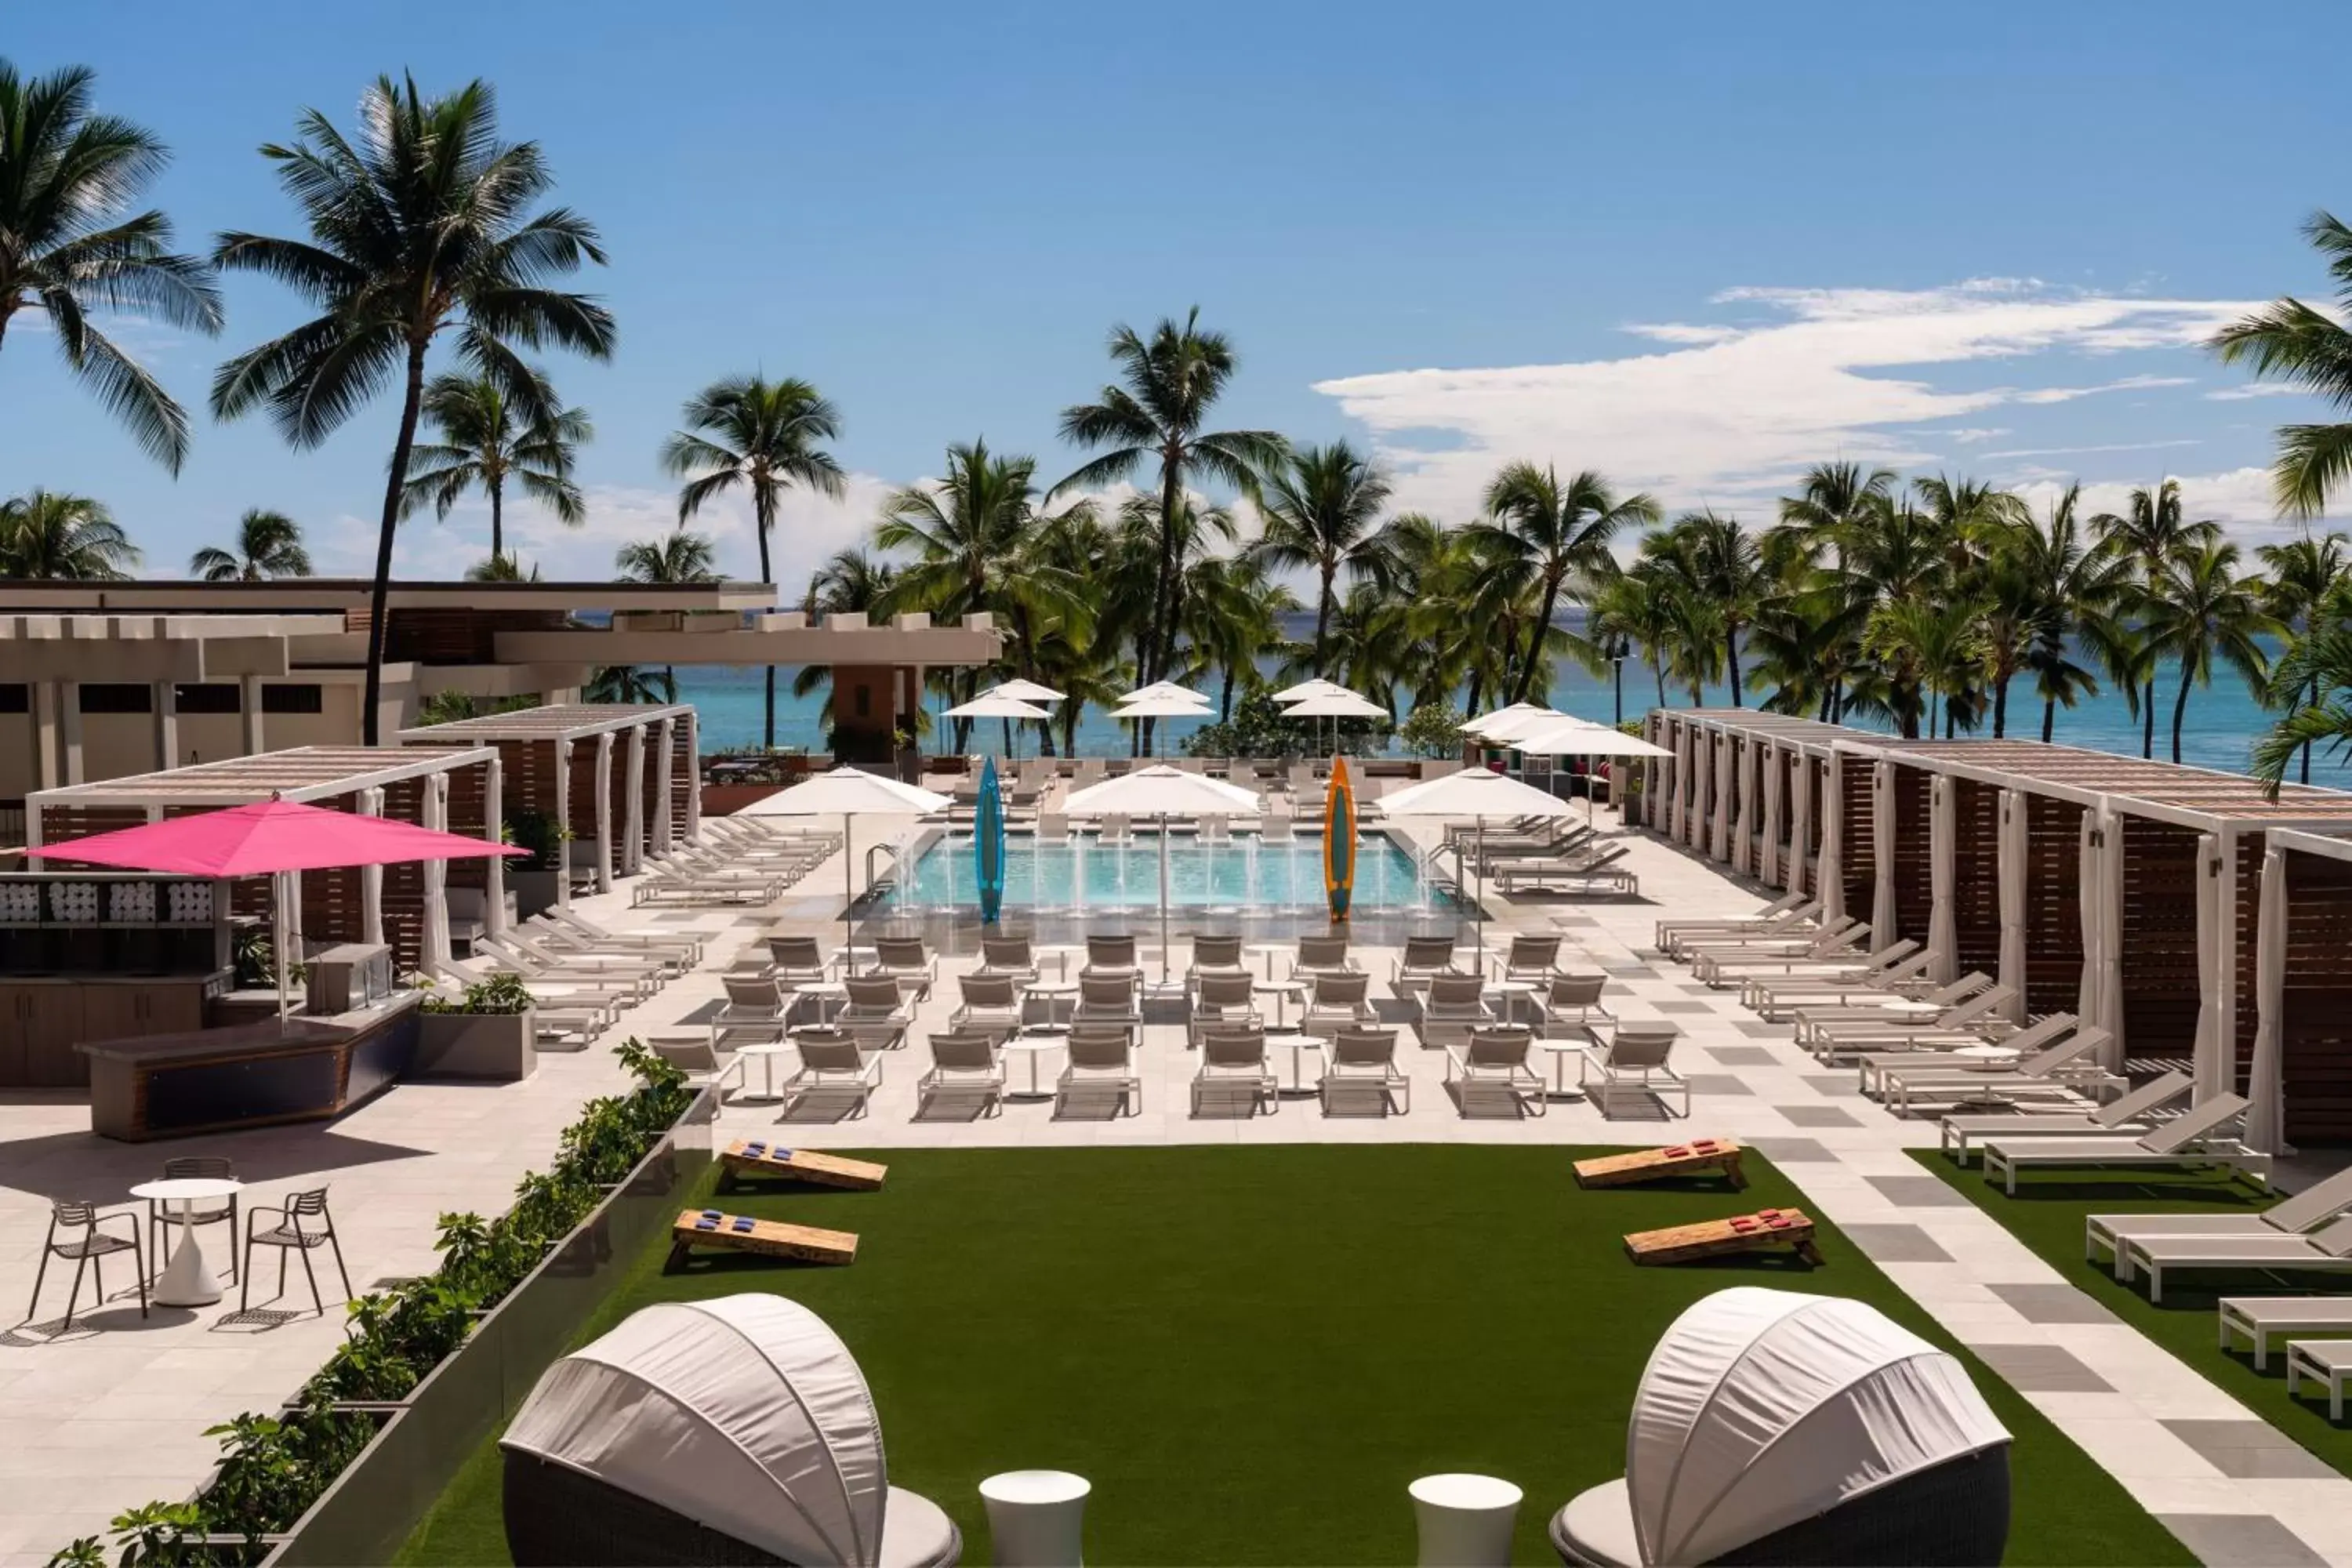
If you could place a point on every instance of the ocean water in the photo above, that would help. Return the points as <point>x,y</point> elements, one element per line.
<point>2223,722</point>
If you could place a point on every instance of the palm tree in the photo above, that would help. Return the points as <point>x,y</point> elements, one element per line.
<point>1168,384</point>
<point>2320,662</point>
<point>1321,507</point>
<point>48,534</point>
<point>676,557</point>
<point>501,569</point>
<point>1544,532</point>
<point>2303,574</point>
<point>2304,346</point>
<point>2151,536</point>
<point>970,533</point>
<point>269,544</point>
<point>487,440</point>
<point>761,435</point>
<point>416,228</point>
<point>1726,566</point>
<point>1928,648</point>
<point>2075,587</point>
<point>66,249</point>
<point>628,683</point>
<point>2198,607</point>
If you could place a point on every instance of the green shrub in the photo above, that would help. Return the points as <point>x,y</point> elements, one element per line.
<point>500,994</point>
<point>1432,729</point>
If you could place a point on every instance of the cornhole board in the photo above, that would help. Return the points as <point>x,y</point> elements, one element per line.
<point>757,1157</point>
<point>771,1238</point>
<point>1700,1156</point>
<point>1758,1231</point>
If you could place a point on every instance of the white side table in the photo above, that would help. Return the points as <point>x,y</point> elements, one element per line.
<point>1032,1042</point>
<point>1561,1051</point>
<point>188,1282</point>
<point>766,1052</point>
<point>1036,1518</point>
<point>1464,1521</point>
<point>1298,1046</point>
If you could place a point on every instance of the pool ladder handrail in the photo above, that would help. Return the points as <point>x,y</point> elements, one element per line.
<point>895,848</point>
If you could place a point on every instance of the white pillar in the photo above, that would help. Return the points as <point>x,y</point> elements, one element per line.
<point>605,812</point>
<point>2014,874</point>
<point>2265,1084</point>
<point>49,737</point>
<point>434,949</point>
<point>2225,995</point>
<point>494,918</point>
<point>662,765</point>
<point>563,823</point>
<point>1830,870</point>
<point>633,850</point>
<point>693,776</point>
<point>249,706</point>
<point>1771,767</point>
<point>165,705</point>
<point>371,803</point>
<point>2215,1046</point>
<point>1943,933</point>
<point>1882,855</point>
<point>68,700</point>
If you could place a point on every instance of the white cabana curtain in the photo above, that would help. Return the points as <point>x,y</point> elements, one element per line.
<point>1678,815</point>
<point>1726,786</point>
<point>1793,868</point>
<point>2087,885</point>
<point>2266,1117</point>
<point>1882,854</point>
<point>1702,790</point>
<point>1943,939</point>
<point>1830,870</point>
<point>1774,767</point>
<point>2111,938</point>
<point>1743,805</point>
<point>2214,1071</point>
<point>2015,847</point>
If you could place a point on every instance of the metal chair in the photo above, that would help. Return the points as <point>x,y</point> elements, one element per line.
<point>289,1233</point>
<point>200,1167</point>
<point>88,1250</point>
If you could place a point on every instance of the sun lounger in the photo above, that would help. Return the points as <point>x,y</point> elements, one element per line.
<point>1790,941</point>
<point>832,1063</point>
<point>1496,1058</point>
<point>1425,957</point>
<point>2328,1250</point>
<point>1101,1060</point>
<point>1868,1006</point>
<point>1775,997</point>
<point>2194,1138</point>
<point>1635,1057</point>
<point>2258,1318</point>
<point>1700,1157</point>
<point>654,941</point>
<point>1728,967</point>
<point>1762,1231</point>
<point>1360,1060</point>
<point>759,1157</point>
<point>1235,1059</point>
<point>1557,874</point>
<point>964,1062</point>
<point>712,1229</point>
<point>2047,1054</point>
<point>2312,1207</point>
<point>1793,908</point>
<point>1869,1043</point>
<point>2132,1113</point>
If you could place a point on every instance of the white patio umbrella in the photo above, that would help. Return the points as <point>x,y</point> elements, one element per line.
<point>1582,738</point>
<point>2266,1117</point>
<point>1335,705</point>
<point>1165,689</point>
<point>847,793</point>
<point>1504,727</point>
<point>1477,726</point>
<point>1306,689</point>
<point>2015,846</point>
<point>1162,792</point>
<point>997,705</point>
<point>1162,706</point>
<point>1026,691</point>
<point>1476,793</point>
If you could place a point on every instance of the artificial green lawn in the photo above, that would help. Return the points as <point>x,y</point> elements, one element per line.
<point>2047,1215</point>
<point>1251,1351</point>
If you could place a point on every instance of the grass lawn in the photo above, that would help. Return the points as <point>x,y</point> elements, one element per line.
<point>2047,1215</point>
<point>1250,1351</point>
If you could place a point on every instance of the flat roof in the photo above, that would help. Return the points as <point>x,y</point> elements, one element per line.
<point>339,593</point>
<point>2082,774</point>
<point>299,773</point>
<point>549,722</point>
<point>1812,733</point>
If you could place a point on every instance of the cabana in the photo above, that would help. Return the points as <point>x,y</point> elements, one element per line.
<point>619,780</point>
<point>402,906</point>
<point>2122,890</point>
<point>1764,776</point>
<point>2299,1068</point>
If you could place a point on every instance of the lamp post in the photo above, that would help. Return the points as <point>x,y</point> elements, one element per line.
<point>1617,659</point>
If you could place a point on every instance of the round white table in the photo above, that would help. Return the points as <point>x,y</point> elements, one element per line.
<point>826,994</point>
<point>1464,1521</point>
<point>765,1052</point>
<point>1986,1059</point>
<point>1909,1012</point>
<point>1281,991</point>
<point>1036,1518</point>
<point>1060,996</point>
<point>1268,949</point>
<point>1561,1051</point>
<point>1510,990</point>
<point>1032,1042</point>
<point>1298,1046</point>
<point>188,1280</point>
<point>1061,951</point>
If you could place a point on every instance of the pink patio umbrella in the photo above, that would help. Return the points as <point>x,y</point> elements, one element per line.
<point>269,837</point>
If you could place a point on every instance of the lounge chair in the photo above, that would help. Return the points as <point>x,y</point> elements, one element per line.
<point>1235,1059</point>
<point>2194,1137</point>
<point>963,1064</point>
<point>1637,1055</point>
<point>2133,1113</point>
<point>1216,828</point>
<point>655,941</point>
<point>1111,956</point>
<point>1423,959</point>
<point>906,960</point>
<point>1976,1021</point>
<point>1365,1059</point>
<point>1107,997</point>
<point>576,1014</point>
<point>831,1064</point>
<point>801,960</point>
<point>756,1012</point>
<point>1869,1004</point>
<point>1053,827</point>
<point>1100,1059</point>
<point>1496,1058</point>
<point>2305,1210</point>
<point>1214,955</point>
<point>2050,1061</point>
<point>1534,958</point>
<point>1320,955</point>
<point>2328,1250</point>
<point>1455,1006</point>
<point>563,944</point>
<point>877,1015</point>
<point>1340,1001</point>
<point>1276,827</point>
<point>991,1007</point>
<point>2257,1317</point>
<point>1791,909</point>
<point>1896,974</point>
<point>641,976</point>
<point>1222,1002</point>
<point>1837,948</point>
<point>1573,1003</point>
<point>1114,830</point>
<point>1562,874</point>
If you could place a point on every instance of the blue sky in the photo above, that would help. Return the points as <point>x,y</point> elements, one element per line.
<point>1692,247</point>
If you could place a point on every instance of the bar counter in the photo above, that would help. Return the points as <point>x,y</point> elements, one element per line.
<point>249,1075</point>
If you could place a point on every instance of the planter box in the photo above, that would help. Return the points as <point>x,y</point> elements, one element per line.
<point>726,799</point>
<point>498,1047</point>
<point>533,891</point>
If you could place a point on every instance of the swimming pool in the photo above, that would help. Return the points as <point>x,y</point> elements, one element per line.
<point>1085,875</point>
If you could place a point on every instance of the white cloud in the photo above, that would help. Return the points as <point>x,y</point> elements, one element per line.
<point>2256,389</point>
<point>1969,435</point>
<point>2238,499</point>
<point>1730,411</point>
<point>2078,451</point>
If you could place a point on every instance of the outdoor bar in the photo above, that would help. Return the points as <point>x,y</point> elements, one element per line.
<point>617,781</point>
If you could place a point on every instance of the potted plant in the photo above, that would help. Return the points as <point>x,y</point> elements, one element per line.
<point>487,1031</point>
<point>534,880</point>
<point>909,759</point>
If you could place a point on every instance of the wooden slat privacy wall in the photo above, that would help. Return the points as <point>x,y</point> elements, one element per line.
<point>1975,875</point>
<point>1913,873</point>
<point>2316,1033</point>
<point>1857,865</point>
<point>2161,985</point>
<point>2053,904</point>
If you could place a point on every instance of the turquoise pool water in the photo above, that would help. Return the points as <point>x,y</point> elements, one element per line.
<point>1242,874</point>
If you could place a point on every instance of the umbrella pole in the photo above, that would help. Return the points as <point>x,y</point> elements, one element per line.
<point>848,885</point>
<point>1163,898</point>
<point>277,934</point>
<point>1482,893</point>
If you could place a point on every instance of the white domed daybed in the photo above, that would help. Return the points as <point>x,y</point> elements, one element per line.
<point>731,1431</point>
<point>1774,1428</point>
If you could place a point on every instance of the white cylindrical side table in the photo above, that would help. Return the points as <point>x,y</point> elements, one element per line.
<point>1036,1518</point>
<point>1464,1521</point>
